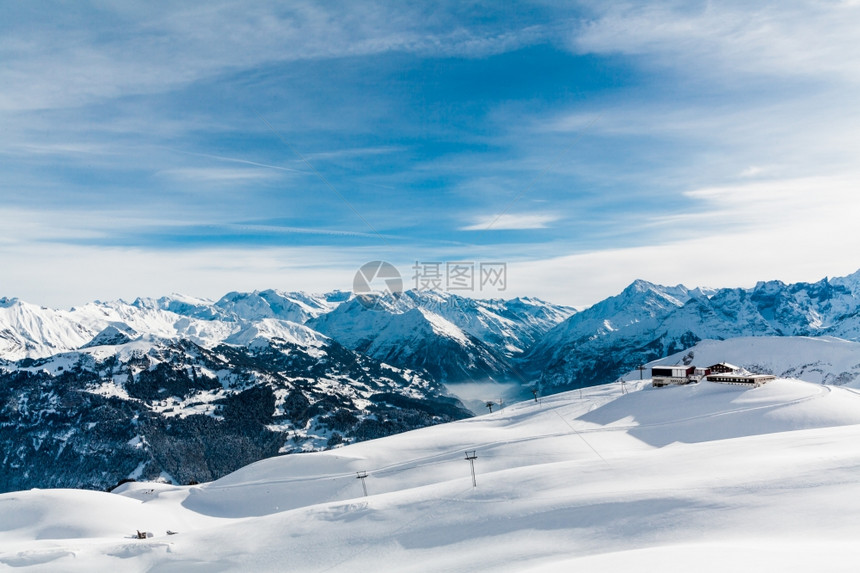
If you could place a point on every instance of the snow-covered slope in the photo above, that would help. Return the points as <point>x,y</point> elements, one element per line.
<point>705,477</point>
<point>27,330</point>
<point>823,359</point>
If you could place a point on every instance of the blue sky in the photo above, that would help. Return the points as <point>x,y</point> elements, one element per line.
<point>218,146</point>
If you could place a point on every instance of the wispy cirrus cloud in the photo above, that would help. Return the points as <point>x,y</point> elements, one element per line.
<point>171,46</point>
<point>730,40</point>
<point>215,174</point>
<point>511,221</point>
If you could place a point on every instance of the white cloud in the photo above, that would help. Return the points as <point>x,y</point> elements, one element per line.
<point>49,64</point>
<point>717,261</point>
<point>792,230</point>
<point>88,273</point>
<point>770,169</point>
<point>733,39</point>
<point>25,226</point>
<point>756,170</point>
<point>727,93</point>
<point>215,174</point>
<point>511,222</point>
<point>799,204</point>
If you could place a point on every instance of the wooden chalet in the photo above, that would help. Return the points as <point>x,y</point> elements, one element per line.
<point>722,368</point>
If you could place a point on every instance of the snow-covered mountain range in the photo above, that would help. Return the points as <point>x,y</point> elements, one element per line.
<point>453,338</point>
<point>192,389</point>
<point>648,321</point>
<point>307,372</point>
<point>30,331</point>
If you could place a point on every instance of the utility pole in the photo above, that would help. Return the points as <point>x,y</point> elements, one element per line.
<point>362,476</point>
<point>641,369</point>
<point>490,406</point>
<point>472,456</point>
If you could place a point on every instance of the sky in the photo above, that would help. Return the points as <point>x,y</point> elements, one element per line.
<point>149,148</point>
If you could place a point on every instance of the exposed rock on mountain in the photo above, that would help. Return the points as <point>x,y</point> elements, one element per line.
<point>169,408</point>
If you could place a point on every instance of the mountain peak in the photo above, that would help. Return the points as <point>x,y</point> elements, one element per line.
<point>769,286</point>
<point>113,335</point>
<point>677,295</point>
<point>639,285</point>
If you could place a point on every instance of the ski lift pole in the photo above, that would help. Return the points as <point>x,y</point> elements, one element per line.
<point>362,476</point>
<point>472,456</point>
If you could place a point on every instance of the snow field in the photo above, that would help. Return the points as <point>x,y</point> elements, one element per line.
<point>705,476</point>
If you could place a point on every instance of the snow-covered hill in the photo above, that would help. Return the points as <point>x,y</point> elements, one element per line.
<point>705,477</point>
<point>510,326</point>
<point>251,306</point>
<point>27,330</point>
<point>825,359</point>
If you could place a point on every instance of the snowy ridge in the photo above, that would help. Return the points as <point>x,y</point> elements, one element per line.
<point>28,331</point>
<point>586,346</point>
<point>486,334</point>
<point>453,338</point>
<point>709,475</point>
<point>292,306</point>
<point>513,324</point>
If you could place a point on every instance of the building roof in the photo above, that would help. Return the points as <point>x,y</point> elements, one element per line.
<point>725,365</point>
